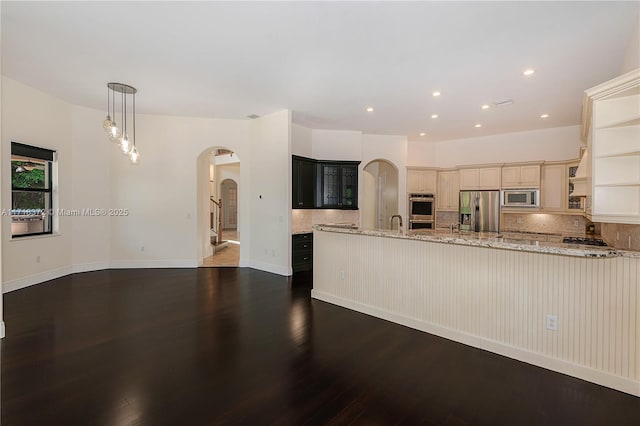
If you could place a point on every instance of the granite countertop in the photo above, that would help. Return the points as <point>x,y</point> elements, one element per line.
<point>299,231</point>
<point>492,240</point>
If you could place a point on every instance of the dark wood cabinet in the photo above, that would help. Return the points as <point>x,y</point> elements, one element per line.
<point>302,253</point>
<point>322,184</point>
<point>338,185</point>
<point>303,182</point>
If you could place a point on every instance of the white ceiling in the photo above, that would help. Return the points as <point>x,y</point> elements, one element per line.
<point>327,61</point>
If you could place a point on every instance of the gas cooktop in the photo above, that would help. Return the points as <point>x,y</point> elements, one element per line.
<point>584,241</point>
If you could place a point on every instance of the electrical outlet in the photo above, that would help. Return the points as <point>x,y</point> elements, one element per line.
<point>617,236</point>
<point>519,220</point>
<point>552,322</point>
<point>576,223</point>
<point>341,275</point>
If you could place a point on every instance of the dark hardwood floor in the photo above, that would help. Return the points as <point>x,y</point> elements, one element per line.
<point>240,346</point>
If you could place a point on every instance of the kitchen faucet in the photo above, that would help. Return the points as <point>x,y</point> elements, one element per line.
<point>399,221</point>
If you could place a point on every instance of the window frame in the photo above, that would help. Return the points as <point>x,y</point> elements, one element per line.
<point>49,157</point>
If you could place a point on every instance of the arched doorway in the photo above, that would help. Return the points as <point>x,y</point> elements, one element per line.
<point>380,194</point>
<point>229,196</point>
<point>218,177</point>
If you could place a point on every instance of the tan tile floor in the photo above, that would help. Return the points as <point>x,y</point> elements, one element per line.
<point>227,257</point>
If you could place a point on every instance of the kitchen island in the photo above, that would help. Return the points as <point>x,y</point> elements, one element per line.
<point>503,296</point>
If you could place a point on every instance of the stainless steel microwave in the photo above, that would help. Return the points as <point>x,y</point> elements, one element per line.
<point>520,198</point>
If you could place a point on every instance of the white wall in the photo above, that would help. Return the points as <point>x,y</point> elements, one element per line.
<point>90,189</point>
<point>270,192</point>
<point>301,141</point>
<point>336,145</point>
<point>558,143</point>
<point>2,205</point>
<point>35,118</point>
<point>632,56</point>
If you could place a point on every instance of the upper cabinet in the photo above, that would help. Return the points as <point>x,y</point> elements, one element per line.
<point>524,176</point>
<point>448,194</point>
<point>554,187</point>
<point>338,185</point>
<point>611,123</point>
<point>303,183</point>
<point>421,181</point>
<point>324,184</point>
<point>481,178</point>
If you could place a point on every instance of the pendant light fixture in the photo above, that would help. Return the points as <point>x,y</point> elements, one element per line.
<point>121,135</point>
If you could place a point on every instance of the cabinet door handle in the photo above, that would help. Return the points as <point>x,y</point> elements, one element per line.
<point>306,258</point>
<point>299,203</point>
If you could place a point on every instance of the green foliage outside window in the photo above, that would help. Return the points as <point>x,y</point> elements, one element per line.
<point>27,175</point>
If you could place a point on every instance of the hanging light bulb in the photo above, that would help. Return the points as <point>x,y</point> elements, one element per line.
<point>114,133</point>
<point>125,146</point>
<point>107,123</point>
<point>134,156</point>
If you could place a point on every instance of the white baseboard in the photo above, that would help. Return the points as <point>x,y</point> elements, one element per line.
<point>142,264</point>
<point>88,267</point>
<point>270,267</point>
<point>1,329</point>
<point>585,373</point>
<point>41,277</point>
<point>30,280</point>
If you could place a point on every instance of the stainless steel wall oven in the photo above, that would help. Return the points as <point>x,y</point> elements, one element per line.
<point>421,211</point>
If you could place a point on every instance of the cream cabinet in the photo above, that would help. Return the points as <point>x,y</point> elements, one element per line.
<point>612,125</point>
<point>525,176</point>
<point>421,181</point>
<point>448,195</point>
<point>480,178</point>
<point>554,187</point>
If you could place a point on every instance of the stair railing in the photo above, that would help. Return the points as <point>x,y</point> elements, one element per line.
<point>217,213</point>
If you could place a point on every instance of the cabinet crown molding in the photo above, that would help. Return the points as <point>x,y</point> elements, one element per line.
<point>613,87</point>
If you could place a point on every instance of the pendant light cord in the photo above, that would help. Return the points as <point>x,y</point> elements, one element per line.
<point>134,119</point>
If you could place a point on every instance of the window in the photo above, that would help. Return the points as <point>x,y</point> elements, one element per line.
<point>31,190</point>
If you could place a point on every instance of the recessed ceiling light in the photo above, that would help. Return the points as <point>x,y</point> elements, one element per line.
<point>529,71</point>
<point>478,125</point>
<point>422,134</point>
<point>434,116</point>
<point>544,116</point>
<point>485,106</point>
<point>436,93</point>
<point>370,109</point>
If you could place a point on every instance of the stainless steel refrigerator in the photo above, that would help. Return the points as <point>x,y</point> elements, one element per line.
<point>480,211</point>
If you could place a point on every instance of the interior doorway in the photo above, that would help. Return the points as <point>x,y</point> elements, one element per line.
<point>229,195</point>
<point>222,198</point>
<point>380,194</point>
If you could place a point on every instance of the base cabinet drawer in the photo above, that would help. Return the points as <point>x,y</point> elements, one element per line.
<point>302,252</point>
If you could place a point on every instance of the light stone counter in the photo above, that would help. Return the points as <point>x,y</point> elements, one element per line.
<point>491,240</point>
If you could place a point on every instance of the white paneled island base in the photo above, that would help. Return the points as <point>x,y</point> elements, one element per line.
<point>493,299</point>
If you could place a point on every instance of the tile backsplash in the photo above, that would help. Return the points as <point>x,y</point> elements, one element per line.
<point>305,219</point>
<point>545,223</point>
<point>444,219</point>
<point>621,236</point>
